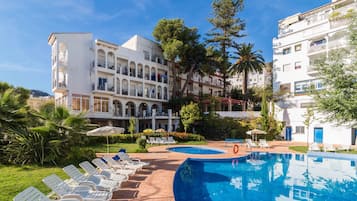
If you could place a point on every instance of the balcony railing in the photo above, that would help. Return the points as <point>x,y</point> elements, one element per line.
<point>317,48</point>
<point>62,85</point>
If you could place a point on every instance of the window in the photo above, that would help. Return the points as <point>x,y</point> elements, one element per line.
<point>318,42</point>
<point>76,102</point>
<point>286,50</point>
<point>80,103</point>
<point>300,129</point>
<point>146,55</point>
<point>297,65</point>
<point>301,87</point>
<point>285,87</point>
<point>286,67</point>
<point>101,104</point>
<point>298,48</point>
<point>85,103</point>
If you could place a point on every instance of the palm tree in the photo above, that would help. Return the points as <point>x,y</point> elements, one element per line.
<point>248,60</point>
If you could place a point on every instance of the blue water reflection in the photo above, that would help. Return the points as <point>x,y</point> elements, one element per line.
<point>265,176</point>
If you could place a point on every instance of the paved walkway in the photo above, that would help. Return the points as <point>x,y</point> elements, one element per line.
<point>155,183</point>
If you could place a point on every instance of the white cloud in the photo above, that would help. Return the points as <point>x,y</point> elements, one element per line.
<point>14,67</point>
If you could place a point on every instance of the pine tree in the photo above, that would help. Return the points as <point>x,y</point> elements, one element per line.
<point>227,28</point>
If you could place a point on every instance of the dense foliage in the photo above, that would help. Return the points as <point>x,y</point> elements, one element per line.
<point>338,73</point>
<point>31,137</point>
<point>247,61</point>
<point>189,114</point>
<point>214,127</point>
<point>226,29</point>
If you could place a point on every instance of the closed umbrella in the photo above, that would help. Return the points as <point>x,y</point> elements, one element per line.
<point>105,131</point>
<point>256,132</point>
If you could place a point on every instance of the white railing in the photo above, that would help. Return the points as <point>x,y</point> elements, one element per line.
<point>239,114</point>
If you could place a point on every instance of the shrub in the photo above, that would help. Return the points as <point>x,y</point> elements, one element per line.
<point>77,155</point>
<point>216,128</point>
<point>141,142</point>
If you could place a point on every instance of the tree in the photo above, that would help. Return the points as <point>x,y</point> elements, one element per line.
<point>338,73</point>
<point>264,114</point>
<point>226,28</point>
<point>132,126</point>
<point>248,60</point>
<point>309,117</point>
<point>189,114</point>
<point>182,49</point>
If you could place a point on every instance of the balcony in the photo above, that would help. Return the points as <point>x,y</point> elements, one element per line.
<point>111,66</point>
<point>338,43</point>
<point>61,87</point>
<point>317,48</point>
<point>339,23</point>
<point>124,92</point>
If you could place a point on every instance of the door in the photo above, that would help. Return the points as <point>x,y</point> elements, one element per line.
<point>354,134</point>
<point>318,135</point>
<point>288,131</point>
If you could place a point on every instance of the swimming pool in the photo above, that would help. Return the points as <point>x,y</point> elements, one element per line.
<point>266,176</point>
<point>195,150</point>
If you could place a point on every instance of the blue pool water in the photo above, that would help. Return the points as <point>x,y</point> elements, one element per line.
<point>265,176</point>
<point>195,150</point>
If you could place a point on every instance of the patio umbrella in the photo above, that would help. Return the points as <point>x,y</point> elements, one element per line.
<point>105,131</point>
<point>256,132</point>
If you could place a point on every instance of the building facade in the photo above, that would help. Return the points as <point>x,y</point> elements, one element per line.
<point>255,79</point>
<point>303,39</point>
<point>112,83</point>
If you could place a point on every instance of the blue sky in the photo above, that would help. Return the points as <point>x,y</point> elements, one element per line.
<point>26,25</point>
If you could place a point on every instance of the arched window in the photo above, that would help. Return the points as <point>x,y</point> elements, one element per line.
<point>63,54</point>
<point>111,60</point>
<point>132,69</point>
<point>124,87</point>
<point>101,58</point>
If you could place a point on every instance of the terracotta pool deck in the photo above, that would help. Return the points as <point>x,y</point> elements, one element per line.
<point>155,183</point>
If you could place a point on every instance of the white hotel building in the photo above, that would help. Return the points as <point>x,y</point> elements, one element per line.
<point>112,83</point>
<point>302,39</point>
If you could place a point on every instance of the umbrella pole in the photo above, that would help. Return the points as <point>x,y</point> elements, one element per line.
<point>107,145</point>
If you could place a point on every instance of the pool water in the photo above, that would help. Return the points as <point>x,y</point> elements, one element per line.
<point>195,150</point>
<point>266,176</point>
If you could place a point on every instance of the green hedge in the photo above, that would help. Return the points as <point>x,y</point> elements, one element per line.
<point>128,138</point>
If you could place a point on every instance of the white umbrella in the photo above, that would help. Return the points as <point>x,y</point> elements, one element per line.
<point>105,131</point>
<point>256,132</point>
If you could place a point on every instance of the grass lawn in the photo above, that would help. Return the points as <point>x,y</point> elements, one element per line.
<point>14,179</point>
<point>132,147</point>
<point>303,149</point>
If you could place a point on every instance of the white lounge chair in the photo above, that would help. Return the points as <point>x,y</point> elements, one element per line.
<point>171,140</point>
<point>85,191</point>
<point>329,147</point>
<point>151,140</point>
<point>122,164</point>
<point>164,140</point>
<point>263,143</point>
<point>100,183</point>
<point>91,170</point>
<point>344,147</point>
<point>119,170</point>
<point>250,143</point>
<point>33,194</point>
<point>125,157</point>
<point>314,147</point>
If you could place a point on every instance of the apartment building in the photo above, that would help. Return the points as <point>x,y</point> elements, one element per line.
<point>303,38</point>
<point>112,83</point>
<point>255,79</point>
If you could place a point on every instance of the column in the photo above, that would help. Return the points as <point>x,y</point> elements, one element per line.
<point>169,128</point>
<point>153,119</point>
<point>136,125</point>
